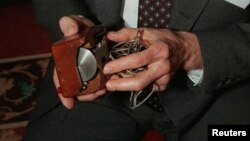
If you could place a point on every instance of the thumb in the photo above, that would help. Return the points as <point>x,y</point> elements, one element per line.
<point>68,25</point>
<point>67,102</point>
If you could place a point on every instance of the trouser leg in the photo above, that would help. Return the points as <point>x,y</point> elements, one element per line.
<point>107,118</point>
<point>86,121</point>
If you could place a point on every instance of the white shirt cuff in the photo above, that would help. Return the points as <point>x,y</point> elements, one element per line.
<point>196,76</point>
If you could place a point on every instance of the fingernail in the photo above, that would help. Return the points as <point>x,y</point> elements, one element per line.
<point>69,107</point>
<point>70,29</point>
<point>107,70</point>
<point>108,86</point>
<point>111,35</point>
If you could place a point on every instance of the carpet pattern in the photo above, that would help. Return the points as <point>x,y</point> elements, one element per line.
<point>24,51</point>
<point>19,79</point>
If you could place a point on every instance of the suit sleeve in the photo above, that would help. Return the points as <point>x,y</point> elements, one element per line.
<point>226,56</point>
<point>48,13</point>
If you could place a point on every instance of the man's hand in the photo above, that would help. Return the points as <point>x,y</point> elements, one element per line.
<point>168,51</point>
<point>70,26</point>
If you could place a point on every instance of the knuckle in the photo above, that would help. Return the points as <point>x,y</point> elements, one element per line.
<point>138,86</point>
<point>167,67</point>
<point>129,31</point>
<point>137,62</point>
<point>164,67</point>
<point>163,88</point>
<point>164,80</point>
<point>125,30</point>
<point>164,51</point>
<point>142,82</point>
<point>171,67</point>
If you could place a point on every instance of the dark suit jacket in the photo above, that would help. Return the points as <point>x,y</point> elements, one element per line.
<point>223,31</point>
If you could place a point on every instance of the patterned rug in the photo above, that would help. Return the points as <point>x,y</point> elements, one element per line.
<point>19,78</point>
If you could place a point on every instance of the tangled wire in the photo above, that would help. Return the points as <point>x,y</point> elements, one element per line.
<point>123,49</point>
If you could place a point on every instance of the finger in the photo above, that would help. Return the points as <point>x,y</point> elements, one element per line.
<point>163,80</point>
<point>141,79</point>
<point>81,20</point>
<point>159,87</point>
<point>115,76</point>
<point>92,96</point>
<point>162,83</point>
<point>135,60</point>
<point>67,102</point>
<point>70,24</point>
<point>136,83</point>
<point>154,52</point>
<point>122,35</point>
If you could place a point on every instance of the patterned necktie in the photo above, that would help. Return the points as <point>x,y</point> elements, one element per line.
<point>154,13</point>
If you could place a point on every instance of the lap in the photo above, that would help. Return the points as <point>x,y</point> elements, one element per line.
<point>108,118</point>
<point>104,119</point>
<point>86,121</point>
